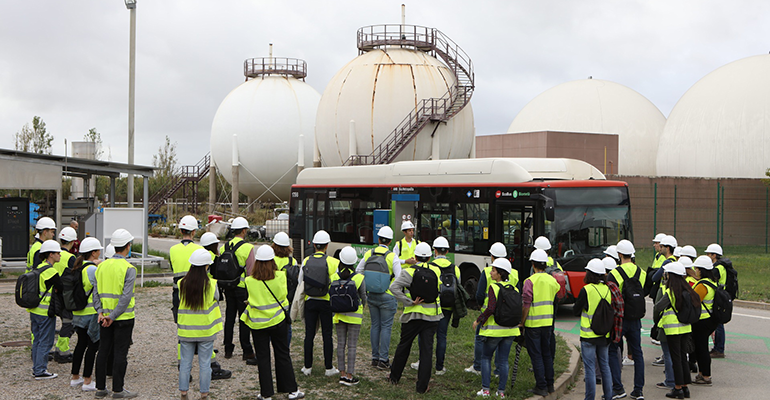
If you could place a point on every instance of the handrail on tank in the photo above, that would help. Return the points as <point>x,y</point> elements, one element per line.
<point>255,67</point>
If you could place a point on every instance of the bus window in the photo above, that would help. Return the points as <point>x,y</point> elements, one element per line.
<point>341,226</point>
<point>472,235</point>
<point>586,231</point>
<point>364,220</point>
<point>436,220</point>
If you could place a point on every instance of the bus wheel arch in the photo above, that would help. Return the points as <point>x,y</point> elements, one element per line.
<point>469,279</point>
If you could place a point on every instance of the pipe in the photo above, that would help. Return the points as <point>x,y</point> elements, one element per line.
<point>145,235</point>
<point>301,153</point>
<point>131,102</point>
<point>436,154</point>
<point>212,187</point>
<point>236,170</point>
<point>352,145</point>
<point>403,15</point>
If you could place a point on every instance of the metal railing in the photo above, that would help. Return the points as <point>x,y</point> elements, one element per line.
<point>182,175</point>
<point>255,67</point>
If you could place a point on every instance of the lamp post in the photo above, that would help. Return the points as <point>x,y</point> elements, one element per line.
<point>131,5</point>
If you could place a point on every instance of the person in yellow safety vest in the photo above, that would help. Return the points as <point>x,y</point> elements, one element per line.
<point>667,246</point>
<point>702,330</point>
<point>537,299</point>
<point>594,347</point>
<point>677,333</point>
<point>692,274</point>
<point>714,252</point>
<point>496,338</point>
<point>85,320</point>
<point>497,250</point>
<point>114,302</point>
<point>317,307</point>
<point>658,258</point>
<point>267,317</point>
<point>67,238</point>
<point>42,319</point>
<point>46,230</point>
<point>382,304</point>
<point>286,263</point>
<point>199,320</point>
<point>419,319</point>
<point>551,266</point>
<point>348,324</point>
<point>235,298</point>
<point>210,242</point>
<point>404,248</point>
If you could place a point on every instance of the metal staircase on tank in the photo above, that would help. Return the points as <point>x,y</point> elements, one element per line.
<point>185,177</point>
<point>441,109</point>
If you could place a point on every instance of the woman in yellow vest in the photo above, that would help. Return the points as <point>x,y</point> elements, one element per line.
<point>349,323</point>
<point>42,318</point>
<point>594,347</point>
<point>677,333</point>
<point>495,338</point>
<point>198,321</point>
<point>266,315</point>
<point>702,330</point>
<point>85,320</point>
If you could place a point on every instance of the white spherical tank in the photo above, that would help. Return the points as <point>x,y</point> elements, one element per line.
<point>599,106</point>
<point>267,114</point>
<point>720,127</point>
<point>377,90</point>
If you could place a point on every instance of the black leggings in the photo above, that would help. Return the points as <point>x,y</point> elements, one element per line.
<point>677,347</point>
<point>701,331</point>
<point>87,347</point>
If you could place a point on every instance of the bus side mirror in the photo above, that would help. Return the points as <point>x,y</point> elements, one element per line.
<point>548,206</point>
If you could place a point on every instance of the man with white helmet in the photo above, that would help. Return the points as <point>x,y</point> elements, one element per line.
<point>721,266</point>
<point>497,250</point>
<point>46,230</point>
<point>379,266</point>
<point>544,244</point>
<point>235,293</point>
<point>658,258</point>
<point>667,246</point>
<point>404,248</point>
<point>44,326</point>
<point>68,237</point>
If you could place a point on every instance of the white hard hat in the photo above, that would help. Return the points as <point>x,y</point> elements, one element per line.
<point>440,243</point>
<point>596,266</point>
<point>677,251</point>
<point>675,268</point>
<point>90,244</point>
<point>502,263</point>
<point>669,241</point>
<point>407,225</point>
<point>50,246</point>
<point>703,262</point>
<point>281,239</point>
<point>498,250</point>
<point>188,223</point>
<point>658,237</point>
<point>68,234</point>
<point>239,223</point>
<point>714,248</point>
<point>321,237</point>
<point>625,247</point>
<point>539,255</point>
<point>45,223</point>
<point>109,251</point>
<point>689,251</point>
<point>542,243</point>
<point>200,257</point>
<point>209,238</point>
<point>686,261</point>
<point>609,263</point>
<point>422,250</point>
<point>121,237</point>
<point>348,256</point>
<point>265,253</point>
<point>612,251</point>
<point>385,232</point>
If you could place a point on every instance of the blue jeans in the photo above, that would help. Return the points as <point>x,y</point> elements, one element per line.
<point>478,350</point>
<point>668,366</point>
<point>443,327</point>
<point>632,330</point>
<point>187,349</point>
<point>382,309</point>
<point>592,353</point>
<point>43,329</point>
<point>503,347</point>
<point>719,339</point>
<point>539,349</point>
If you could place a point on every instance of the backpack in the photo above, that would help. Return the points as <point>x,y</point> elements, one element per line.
<point>731,284</point>
<point>633,295</point>
<point>722,307</point>
<point>604,316</point>
<point>448,285</point>
<point>227,271</point>
<point>73,293</point>
<point>315,274</point>
<point>292,278</point>
<point>343,295</point>
<point>28,288</point>
<point>688,312</point>
<point>424,285</point>
<point>508,306</point>
<point>377,273</point>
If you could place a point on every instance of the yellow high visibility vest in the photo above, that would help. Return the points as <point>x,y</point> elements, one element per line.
<point>594,293</point>
<point>263,311</point>
<point>63,261</point>
<point>179,255</point>
<point>670,322</point>
<point>708,301</point>
<point>630,270</point>
<point>491,328</point>
<point>331,264</point>
<point>425,308</point>
<point>241,255</point>
<point>110,278</point>
<point>200,324</point>
<point>88,287</point>
<point>353,317</point>
<point>45,300</point>
<point>657,262</point>
<point>282,262</point>
<point>406,250</point>
<point>31,261</point>
<point>544,289</point>
<point>722,274</point>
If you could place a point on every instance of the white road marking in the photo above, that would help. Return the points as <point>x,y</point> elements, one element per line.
<point>751,316</point>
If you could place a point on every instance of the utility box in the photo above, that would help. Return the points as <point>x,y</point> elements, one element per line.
<point>280,224</point>
<point>14,227</point>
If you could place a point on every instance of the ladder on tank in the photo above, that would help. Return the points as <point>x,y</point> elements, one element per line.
<point>185,177</point>
<point>436,109</point>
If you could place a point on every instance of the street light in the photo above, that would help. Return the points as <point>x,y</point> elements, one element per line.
<point>131,5</point>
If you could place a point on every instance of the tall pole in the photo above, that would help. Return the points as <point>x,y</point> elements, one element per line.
<point>131,80</point>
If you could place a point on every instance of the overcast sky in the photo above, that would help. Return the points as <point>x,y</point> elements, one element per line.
<point>67,61</point>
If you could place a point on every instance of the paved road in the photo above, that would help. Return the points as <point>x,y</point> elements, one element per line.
<point>743,374</point>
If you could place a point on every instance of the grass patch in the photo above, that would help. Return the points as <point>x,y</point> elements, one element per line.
<point>152,284</point>
<point>137,248</point>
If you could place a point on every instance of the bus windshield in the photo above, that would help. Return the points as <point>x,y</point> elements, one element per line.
<point>586,231</point>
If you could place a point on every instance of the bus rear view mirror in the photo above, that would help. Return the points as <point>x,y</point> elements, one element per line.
<point>548,206</point>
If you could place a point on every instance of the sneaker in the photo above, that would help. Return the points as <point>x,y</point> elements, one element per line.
<point>627,361</point>
<point>296,395</point>
<point>700,380</point>
<point>483,392</point>
<point>343,380</point>
<point>352,381</point>
<point>90,387</point>
<point>538,392</point>
<point>716,354</point>
<point>415,365</point>
<point>658,362</point>
<point>375,362</point>
<point>259,397</point>
<point>441,371</point>
<point>76,382</point>
<point>221,374</point>
<point>662,385</point>
<point>383,365</point>
<point>655,342</point>
<point>307,371</point>
<point>100,394</point>
<point>472,370</point>
<point>252,361</point>
<point>618,395</point>
<point>500,394</point>
<point>332,371</point>
<point>124,394</point>
<point>637,394</point>
<point>45,375</point>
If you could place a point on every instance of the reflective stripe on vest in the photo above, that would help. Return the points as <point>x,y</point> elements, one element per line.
<point>110,278</point>
<point>490,327</point>
<point>544,289</point>
<point>594,295</point>
<point>263,311</point>
<point>179,255</point>
<point>200,324</point>
<point>425,308</point>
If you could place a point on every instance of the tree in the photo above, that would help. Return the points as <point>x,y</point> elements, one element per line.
<point>96,138</point>
<point>35,139</point>
<point>165,161</point>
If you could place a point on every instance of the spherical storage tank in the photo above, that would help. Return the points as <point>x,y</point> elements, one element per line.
<point>599,106</point>
<point>267,113</point>
<point>720,128</point>
<point>377,90</point>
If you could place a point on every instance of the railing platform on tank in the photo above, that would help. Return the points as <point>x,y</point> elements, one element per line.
<point>264,66</point>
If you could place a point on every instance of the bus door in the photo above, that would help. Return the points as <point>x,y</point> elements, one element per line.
<point>315,216</point>
<point>404,206</point>
<point>514,230</point>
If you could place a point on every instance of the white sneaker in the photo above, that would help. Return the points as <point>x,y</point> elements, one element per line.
<point>307,371</point>
<point>416,365</point>
<point>627,361</point>
<point>332,371</point>
<point>655,342</point>
<point>76,382</point>
<point>472,370</point>
<point>483,392</point>
<point>296,395</point>
<point>90,387</point>
<point>441,371</point>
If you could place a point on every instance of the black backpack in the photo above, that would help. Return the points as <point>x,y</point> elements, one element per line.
<point>292,278</point>
<point>731,284</point>
<point>508,306</point>
<point>424,285</point>
<point>315,274</point>
<point>343,295</point>
<point>448,285</point>
<point>73,293</point>
<point>28,288</point>
<point>227,271</point>
<point>687,313</point>
<point>604,316</point>
<point>633,295</point>
<point>722,307</point>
